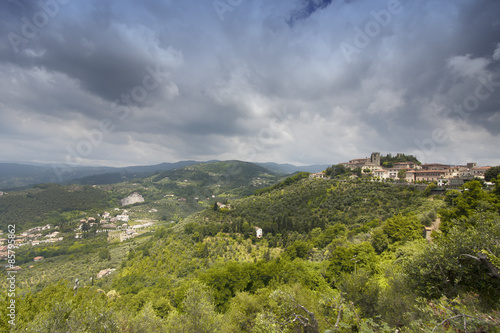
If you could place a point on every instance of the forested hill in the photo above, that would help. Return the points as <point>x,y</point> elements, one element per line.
<point>29,208</point>
<point>339,255</point>
<point>17,176</point>
<point>306,205</point>
<point>232,178</point>
<point>195,185</point>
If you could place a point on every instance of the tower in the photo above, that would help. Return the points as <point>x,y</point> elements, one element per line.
<point>471,165</point>
<point>375,158</point>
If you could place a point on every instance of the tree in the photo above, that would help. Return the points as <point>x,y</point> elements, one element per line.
<point>492,173</point>
<point>225,281</point>
<point>343,316</point>
<point>298,249</point>
<point>473,199</point>
<point>87,311</point>
<point>244,309</point>
<point>358,172</point>
<point>396,302</point>
<point>401,228</point>
<point>198,313</point>
<point>402,174</point>
<point>379,240</point>
<point>335,171</point>
<point>389,159</point>
<point>146,321</point>
<point>388,164</point>
<point>334,231</point>
<point>428,189</point>
<point>104,254</point>
<point>348,259</point>
<point>360,288</point>
<point>445,267</point>
<point>290,309</point>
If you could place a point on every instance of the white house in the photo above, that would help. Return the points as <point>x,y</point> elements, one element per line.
<point>258,232</point>
<point>123,218</point>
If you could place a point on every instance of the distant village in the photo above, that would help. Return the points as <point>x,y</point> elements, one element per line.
<point>118,224</point>
<point>446,176</point>
<point>34,236</point>
<point>108,223</point>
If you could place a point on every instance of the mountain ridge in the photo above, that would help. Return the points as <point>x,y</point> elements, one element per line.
<point>18,175</point>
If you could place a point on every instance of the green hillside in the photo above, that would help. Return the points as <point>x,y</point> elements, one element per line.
<point>306,205</point>
<point>229,178</point>
<point>50,203</point>
<point>175,194</point>
<point>336,255</point>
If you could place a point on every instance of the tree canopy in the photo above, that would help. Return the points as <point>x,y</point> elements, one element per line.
<point>338,255</point>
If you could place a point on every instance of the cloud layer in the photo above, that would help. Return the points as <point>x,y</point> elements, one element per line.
<point>120,82</point>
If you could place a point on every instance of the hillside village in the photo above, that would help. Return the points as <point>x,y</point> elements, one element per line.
<point>445,175</point>
<point>34,236</point>
<point>116,224</point>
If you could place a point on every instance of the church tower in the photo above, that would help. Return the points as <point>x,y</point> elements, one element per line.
<point>375,159</point>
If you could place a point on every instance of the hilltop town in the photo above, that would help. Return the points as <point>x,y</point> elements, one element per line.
<point>445,175</point>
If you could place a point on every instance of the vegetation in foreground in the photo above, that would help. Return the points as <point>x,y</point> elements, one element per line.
<point>339,256</point>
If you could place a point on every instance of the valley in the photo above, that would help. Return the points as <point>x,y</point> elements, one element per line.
<point>234,247</point>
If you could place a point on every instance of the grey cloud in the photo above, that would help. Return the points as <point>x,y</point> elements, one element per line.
<point>307,8</point>
<point>230,81</point>
<point>108,58</point>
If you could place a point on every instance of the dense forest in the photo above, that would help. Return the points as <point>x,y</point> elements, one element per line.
<point>336,255</point>
<point>47,203</point>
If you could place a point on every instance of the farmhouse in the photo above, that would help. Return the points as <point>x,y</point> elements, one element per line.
<point>258,232</point>
<point>105,272</point>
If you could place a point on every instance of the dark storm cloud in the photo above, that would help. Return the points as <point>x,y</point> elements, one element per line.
<point>108,59</point>
<point>417,59</point>
<point>250,82</point>
<point>307,8</point>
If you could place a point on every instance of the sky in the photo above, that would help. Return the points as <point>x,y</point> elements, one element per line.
<point>122,82</point>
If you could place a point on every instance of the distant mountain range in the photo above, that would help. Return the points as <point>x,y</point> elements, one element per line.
<point>19,175</point>
<point>290,168</point>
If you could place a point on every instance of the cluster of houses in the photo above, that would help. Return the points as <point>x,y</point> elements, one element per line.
<point>116,224</point>
<point>448,176</point>
<point>33,236</point>
<point>108,223</point>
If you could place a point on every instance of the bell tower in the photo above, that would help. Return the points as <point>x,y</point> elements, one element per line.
<point>375,158</point>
